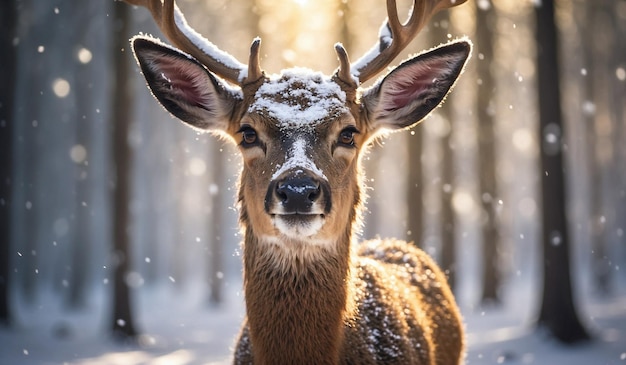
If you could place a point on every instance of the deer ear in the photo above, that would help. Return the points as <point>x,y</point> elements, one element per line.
<point>183,86</point>
<point>412,90</point>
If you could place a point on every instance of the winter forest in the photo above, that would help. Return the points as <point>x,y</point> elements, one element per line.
<point>119,240</point>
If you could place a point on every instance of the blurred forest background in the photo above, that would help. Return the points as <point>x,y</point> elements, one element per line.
<point>466,185</point>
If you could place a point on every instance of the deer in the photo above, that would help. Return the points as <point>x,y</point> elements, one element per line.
<point>313,293</point>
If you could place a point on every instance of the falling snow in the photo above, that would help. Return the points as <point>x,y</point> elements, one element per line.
<point>174,192</point>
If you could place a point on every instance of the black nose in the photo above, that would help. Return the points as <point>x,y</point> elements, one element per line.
<point>297,194</point>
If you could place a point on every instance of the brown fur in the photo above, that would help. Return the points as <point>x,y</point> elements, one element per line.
<point>401,311</point>
<point>346,302</point>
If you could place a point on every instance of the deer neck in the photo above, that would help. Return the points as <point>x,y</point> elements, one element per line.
<point>295,299</point>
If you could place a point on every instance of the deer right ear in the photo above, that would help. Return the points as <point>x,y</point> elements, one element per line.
<point>183,86</point>
<point>411,91</point>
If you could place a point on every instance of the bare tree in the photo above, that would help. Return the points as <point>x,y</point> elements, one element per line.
<point>558,312</point>
<point>447,216</point>
<point>601,127</point>
<point>82,243</point>
<point>216,252</point>
<point>485,28</point>
<point>415,187</point>
<point>122,102</point>
<point>619,115</point>
<point>8,16</point>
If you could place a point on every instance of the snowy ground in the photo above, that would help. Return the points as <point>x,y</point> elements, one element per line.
<point>506,336</point>
<point>180,328</point>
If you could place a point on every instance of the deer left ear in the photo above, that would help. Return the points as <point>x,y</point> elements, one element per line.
<point>183,86</point>
<point>412,90</point>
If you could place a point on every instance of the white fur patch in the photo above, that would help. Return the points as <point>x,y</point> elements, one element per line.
<point>287,252</point>
<point>297,159</point>
<point>303,229</point>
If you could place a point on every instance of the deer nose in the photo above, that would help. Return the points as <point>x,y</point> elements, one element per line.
<point>297,194</point>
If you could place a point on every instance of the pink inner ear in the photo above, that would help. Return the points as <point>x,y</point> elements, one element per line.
<point>186,81</point>
<point>400,97</point>
<point>412,83</point>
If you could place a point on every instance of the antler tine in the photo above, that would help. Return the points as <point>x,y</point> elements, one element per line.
<point>174,26</point>
<point>395,36</point>
<point>343,73</point>
<point>254,65</point>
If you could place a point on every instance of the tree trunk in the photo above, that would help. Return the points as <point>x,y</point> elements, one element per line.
<point>485,28</point>
<point>123,324</point>
<point>448,186</point>
<point>8,16</point>
<point>619,115</point>
<point>448,219</point>
<point>82,241</point>
<point>600,135</point>
<point>558,312</point>
<point>216,251</point>
<point>415,187</point>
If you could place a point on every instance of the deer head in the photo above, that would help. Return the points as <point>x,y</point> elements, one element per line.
<point>300,133</point>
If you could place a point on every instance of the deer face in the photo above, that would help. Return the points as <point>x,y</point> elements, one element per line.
<point>300,133</point>
<point>297,139</point>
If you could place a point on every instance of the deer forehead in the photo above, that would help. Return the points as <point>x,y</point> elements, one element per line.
<point>299,105</point>
<point>298,100</point>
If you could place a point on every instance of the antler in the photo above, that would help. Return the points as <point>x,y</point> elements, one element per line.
<point>393,38</point>
<point>174,26</point>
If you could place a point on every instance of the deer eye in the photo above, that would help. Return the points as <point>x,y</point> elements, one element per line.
<point>346,137</point>
<point>248,136</point>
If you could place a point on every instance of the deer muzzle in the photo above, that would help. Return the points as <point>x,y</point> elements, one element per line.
<point>298,203</point>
